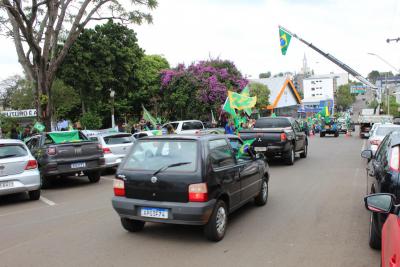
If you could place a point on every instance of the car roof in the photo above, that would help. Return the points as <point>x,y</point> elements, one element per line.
<point>111,134</point>
<point>188,137</point>
<point>11,141</point>
<point>182,121</point>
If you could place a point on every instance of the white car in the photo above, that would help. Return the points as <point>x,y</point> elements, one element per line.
<point>375,125</point>
<point>186,127</point>
<point>115,147</point>
<point>379,134</point>
<point>142,134</point>
<point>18,169</point>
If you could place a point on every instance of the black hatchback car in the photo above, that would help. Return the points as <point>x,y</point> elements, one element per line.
<point>188,179</point>
<point>384,167</point>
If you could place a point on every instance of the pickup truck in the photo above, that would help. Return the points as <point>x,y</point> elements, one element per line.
<point>66,153</point>
<point>278,137</point>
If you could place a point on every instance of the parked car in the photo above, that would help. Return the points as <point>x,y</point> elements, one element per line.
<point>115,146</point>
<point>18,169</point>
<point>390,244</point>
<point>186,127</point>
<point>378,133</point>
<point>188,179</point>
<point>278,137</point>
<point>384,167</point>
<point>67,153</point>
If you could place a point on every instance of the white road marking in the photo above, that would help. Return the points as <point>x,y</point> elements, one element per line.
<point>364,145</point>
<point>47,201</point>
<point>107,178</point>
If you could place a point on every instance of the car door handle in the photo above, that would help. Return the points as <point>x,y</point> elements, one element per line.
<point>393,261</point>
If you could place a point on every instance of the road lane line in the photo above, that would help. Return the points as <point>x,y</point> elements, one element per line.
<point>47,201</point>
<point>107,178</point>
<point>364,145</point>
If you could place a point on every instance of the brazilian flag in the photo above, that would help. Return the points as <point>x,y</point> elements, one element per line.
<point>284,40</point>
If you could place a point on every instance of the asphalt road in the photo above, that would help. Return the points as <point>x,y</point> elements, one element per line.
<point>314,217</point>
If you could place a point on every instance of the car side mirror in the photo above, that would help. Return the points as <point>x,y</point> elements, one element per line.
<point>380,203</point>
<point>367,154</point>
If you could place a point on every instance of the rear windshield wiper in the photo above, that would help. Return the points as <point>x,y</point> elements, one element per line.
<point>170,166</point>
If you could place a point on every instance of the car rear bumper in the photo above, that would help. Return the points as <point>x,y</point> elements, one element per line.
<point>192,213</point>
<point>26,181</point>
<point>112,160</point>
<point>54,168</point>
<point>274,150</point>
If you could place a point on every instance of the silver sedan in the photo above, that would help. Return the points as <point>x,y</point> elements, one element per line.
<point>18,169</point>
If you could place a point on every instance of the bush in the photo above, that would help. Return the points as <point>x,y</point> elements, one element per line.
<point>91,121</point>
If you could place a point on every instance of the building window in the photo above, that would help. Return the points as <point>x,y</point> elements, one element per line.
<point>313,89</point>
<point>313,95</point>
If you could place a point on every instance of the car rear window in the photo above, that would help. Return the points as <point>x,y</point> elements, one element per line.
<point>272,123</point>
<point>12,151</point>
<point>153,155</point>
<point>192,125</point>
<point>65,137</point>
<point>118,139</point>
<point>382,131</point>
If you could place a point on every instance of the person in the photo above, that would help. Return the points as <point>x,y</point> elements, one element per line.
<point>26,133</point>
<point>14,133</point>
<point>229,128</point>
<point>170,129</point>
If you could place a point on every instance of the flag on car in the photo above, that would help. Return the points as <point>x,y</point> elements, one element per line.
<point>38,126</point>
<point>284,40</point>
<point>245,147</point>
<point>228,107</point>
<point>147,116</point>
<point>246,92</point>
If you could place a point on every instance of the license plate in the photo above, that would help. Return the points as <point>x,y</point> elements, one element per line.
<point>260,149</point>
<point>154,213</point>
<point>7,184</point>
<point>118,160</point>
<point>78,165</point>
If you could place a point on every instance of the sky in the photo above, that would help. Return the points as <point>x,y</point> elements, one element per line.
<point>246,32</point>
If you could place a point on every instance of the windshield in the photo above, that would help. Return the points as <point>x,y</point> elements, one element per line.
<point>385,130</point>
<point>12,150</point>
<point>118,139</point>
<point>152,155</point>
<point>272,123</point>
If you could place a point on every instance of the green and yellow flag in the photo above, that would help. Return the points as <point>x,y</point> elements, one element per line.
<point>147,116</point>
<point>241,102</point>
<point>284,40</point>
<point>246,92</point>
<point>228,107</point>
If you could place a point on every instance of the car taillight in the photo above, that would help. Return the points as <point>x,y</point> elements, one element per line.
<point>106,150</point>
<point>51,151</point>
<point>283,137</point>
<point>119,187</point>
<point>375,142</point>
<point>394,159</point>
<point>32,164</point>
<point>198,192</point>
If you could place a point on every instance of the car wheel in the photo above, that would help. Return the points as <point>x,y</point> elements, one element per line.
<point>321,135</point>
<point>336,134</point>
<point>34,195</point>
<point>94,177</point>
<point>304,153</point>
<point>132,225</point>
<point>374,237</point>
<point>215,229</point>
<point>262,198</point>
<point>290,157</point>
<point>45,181</point>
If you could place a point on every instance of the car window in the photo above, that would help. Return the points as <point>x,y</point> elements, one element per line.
<point>240,153</point>
<point>382,150</point>
<point>118,139</point>
<point>384,130</point>
<point>152,155</point>
<point>272,123</point>
<point>192,125</point>
<point>296,126</point>
<point>12,151</point>
<point>33,143</point>
<point>196,125</point>
<point>220,153</point>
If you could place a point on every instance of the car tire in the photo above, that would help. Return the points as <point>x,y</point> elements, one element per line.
<point>262,198</point>
<point>374,237</point>
<point>215,229</point>
<point>94,177</point>
<point>303,154</point>
<point>34,195</point>
<point>45,181</point>
<point>290,156</point>
<point>132,225</point>
<point>336,134</point>
<point>321,135</point>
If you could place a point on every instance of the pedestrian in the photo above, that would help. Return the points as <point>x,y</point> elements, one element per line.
<point>26,133</point>
<point>14,133</point>
<point>229,128</point>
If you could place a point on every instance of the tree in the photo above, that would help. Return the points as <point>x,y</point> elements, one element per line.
<point>344,98</point>
<point>262,92</point>
<point>106,57</point>
<point>190,92</point>
<point>66,101</point>
<point>39,27</point>
<point>7,88</point>
<point>373,75</point>
<point>393,107</point>
<point>264,75</point>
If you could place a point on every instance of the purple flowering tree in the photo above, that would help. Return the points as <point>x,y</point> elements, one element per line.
<point>191,92</point>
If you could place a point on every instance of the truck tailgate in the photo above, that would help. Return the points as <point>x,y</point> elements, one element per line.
<point>263,137</point>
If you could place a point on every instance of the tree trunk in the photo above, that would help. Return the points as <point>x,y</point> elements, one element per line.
<point>44,104</point>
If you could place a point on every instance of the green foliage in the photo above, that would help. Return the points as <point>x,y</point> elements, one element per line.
<point>7,124</point>
<point>106,57</point>
<point>374,104</point>
<point>262,92</point>
<point>393,106</point>
<point>22,97</point>
<point>373,75</point>
<point>65,101</point>
<point>344,99</point>
<point>91,121</point>
<point>264,75</point>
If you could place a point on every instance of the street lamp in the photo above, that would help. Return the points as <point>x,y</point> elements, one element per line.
<point>112,95</point>
<point>386,86</point>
